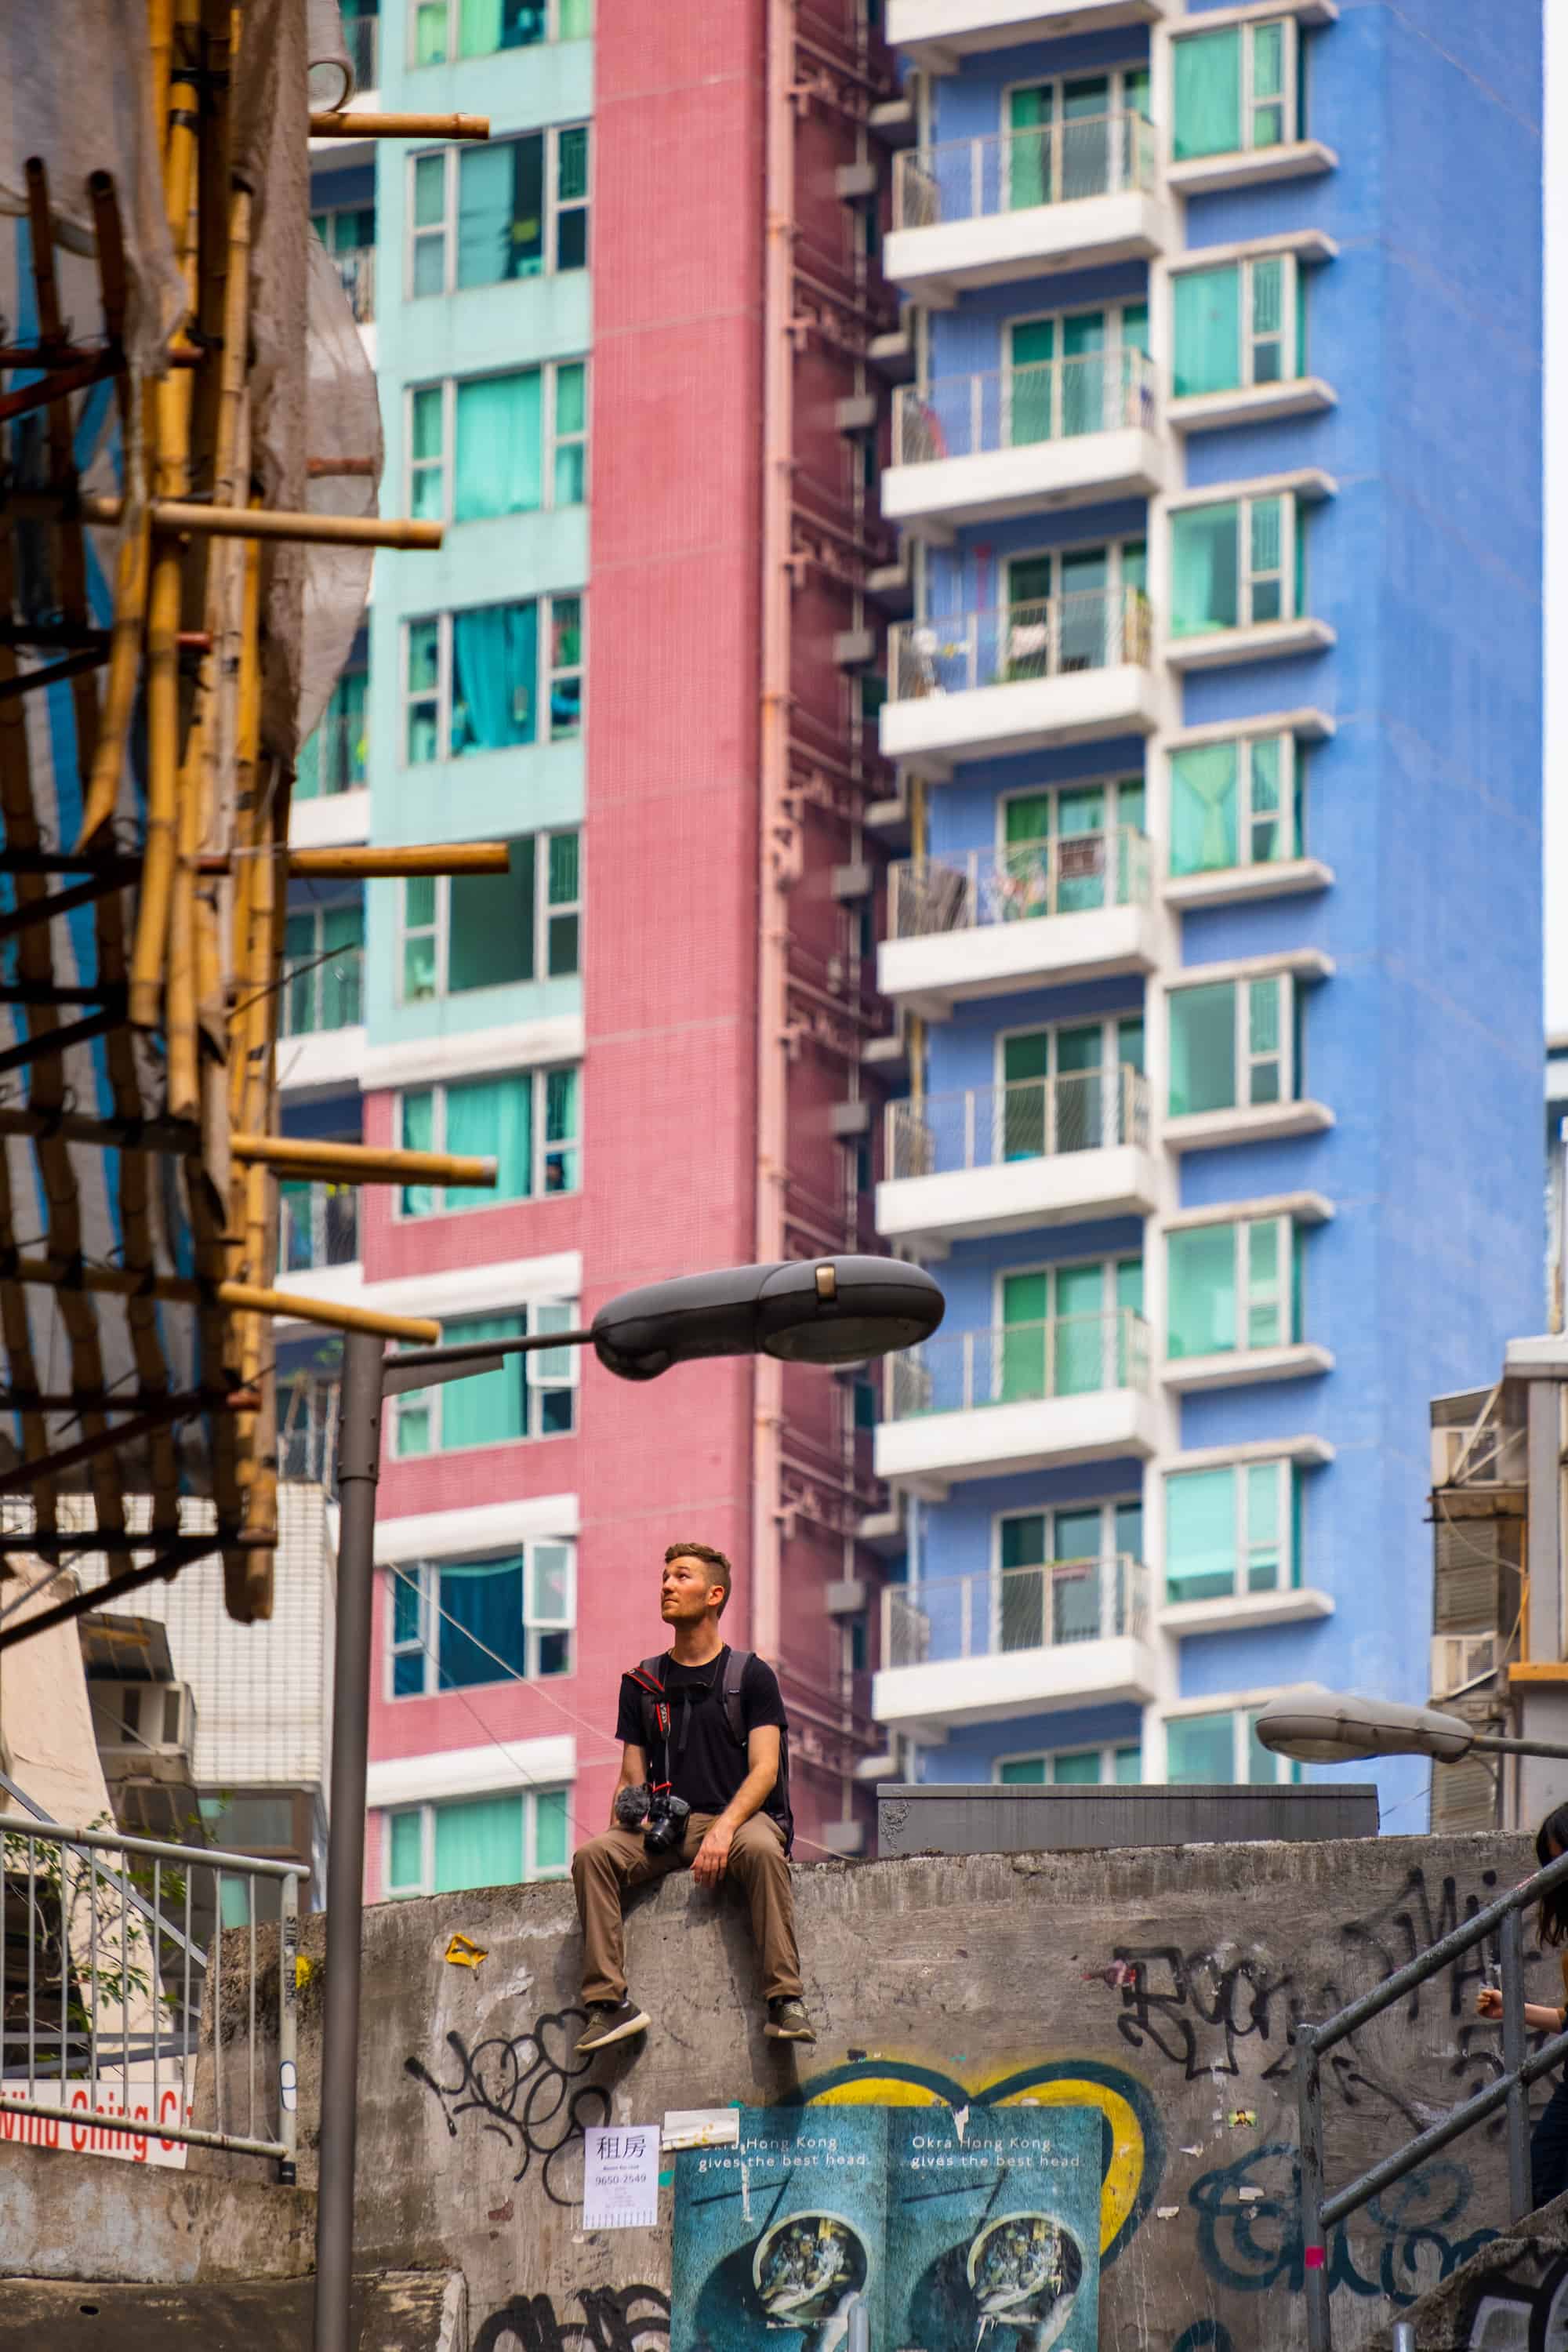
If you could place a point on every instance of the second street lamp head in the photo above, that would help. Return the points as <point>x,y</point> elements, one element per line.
<point>1328,1728</point>
<point>827,1311</point>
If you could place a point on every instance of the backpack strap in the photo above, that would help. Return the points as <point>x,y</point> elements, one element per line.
<point>734,1676</point>
<point>649,1680</point>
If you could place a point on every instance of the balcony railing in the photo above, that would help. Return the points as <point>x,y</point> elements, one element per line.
<point>1012,171</point>
<point>318,1225</point>
<point>357,270</point>
<point>1014,644</point>
<point>328,994</point>
<point>1020,1363</point>
<point>336,758</point>
<point>307,1432</point>
<point>1072,874</point>
<point>987,1614</point>
<point>1009,408</point>
<point>1033,1119</point>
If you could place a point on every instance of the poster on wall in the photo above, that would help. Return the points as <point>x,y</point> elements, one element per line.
<point>891,2230</point>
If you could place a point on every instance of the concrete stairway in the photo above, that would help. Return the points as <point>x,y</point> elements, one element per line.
<point>1510,2297</point>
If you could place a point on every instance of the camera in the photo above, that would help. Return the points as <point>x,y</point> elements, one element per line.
<point>666,1824</point>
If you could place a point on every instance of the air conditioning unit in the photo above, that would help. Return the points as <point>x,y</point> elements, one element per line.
<point>145,1718</point>
<point>1498,1457</point>
<point>1461,1659</point>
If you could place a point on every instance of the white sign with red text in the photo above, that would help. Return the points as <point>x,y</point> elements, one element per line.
<point>109,2118</point>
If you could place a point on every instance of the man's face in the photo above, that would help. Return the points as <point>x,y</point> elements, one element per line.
<point>687,1591</point>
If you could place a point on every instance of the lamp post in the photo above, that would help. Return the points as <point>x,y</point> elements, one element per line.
<point>834,1310</point>
<point>1340,1728</point>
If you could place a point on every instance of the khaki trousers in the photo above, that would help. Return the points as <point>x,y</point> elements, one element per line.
<point>604,1869</point>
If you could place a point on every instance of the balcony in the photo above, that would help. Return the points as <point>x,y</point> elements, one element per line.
<point>1021,1397</point>
<point>1039,914</point>
<point>320,1035</point>
<point>1020,677</point>
<point>318,1227</point>
<point>1006,1159</point>
<point>336,758</point>
<point>357,270</point>
<point>1072,1633</point>
<point>1067,433</point>
<point>1023,203</point>
<point>935,33</point>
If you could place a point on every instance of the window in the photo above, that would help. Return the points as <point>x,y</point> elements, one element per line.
<point>445,30</point>
<point>1237,89</point>
<point>1242,325</point>
<point>1063,1578</point>
<point>1208,1750</point>
<point>526,1121</point>
<point>1236,565</point>
<point>335,759</point>
<point>1233,1045</point>
<point>499,445</point>
<point>486,930</point>
<point>530,1396</point>
<point>477,680</point>
<point>477,1842</point>
<point>1066,1331</point>
<point>1064,1088</point>
<point>1077,372</point>
<point>1234,1286</point>
<point>1072,138</point>
<point>458,1623</point>
<point>323,952</point>
<point>512,208</point>
<point>1065,852</point>
<point>1236,803</point>
<point>1068,609</point>
<point>1231,1531</point>
<point>348,232</point>
<point>1084,1768</point>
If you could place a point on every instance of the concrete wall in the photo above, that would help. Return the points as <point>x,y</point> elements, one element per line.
<point>1159,1987</point>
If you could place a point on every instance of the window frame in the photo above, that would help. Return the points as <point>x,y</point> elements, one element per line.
<point>468,1197</point>
<point>1243,1716</point>
<point>554,206</point>
<point>538,1380</point>
<point>442,465</point>
<point>1290,1285</point>
<point>1248,578</point>
<point>424,1575</point>
<point>547,912</point>
<point>427,1808</point>
<point>1289,100</point>
<point>1113,311</point>
<point>453,56</point>
<point>1107,1752</point>
<point>1289,815</point>
<point>1246,1061</point>
<point>1115,553</point>
<point>313,968</point>
<point>1288,1545</point>
<point>546,675</point>
<point>1292,356</point>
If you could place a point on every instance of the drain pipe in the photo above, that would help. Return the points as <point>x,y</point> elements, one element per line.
<point>773,826</point>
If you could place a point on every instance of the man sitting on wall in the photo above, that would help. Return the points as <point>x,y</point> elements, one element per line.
<point>704,1786</point>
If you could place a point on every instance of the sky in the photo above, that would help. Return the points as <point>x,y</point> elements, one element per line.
<point>1556,843</point>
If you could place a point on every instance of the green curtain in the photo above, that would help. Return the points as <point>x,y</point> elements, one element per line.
<point>1025,1307</point>
<point>492,1118</point>
<point>500,456</point>
<point>406,1865</point>
<point>489,1408</point>
<point>1204,570</point>
<point>300,998</point>
<point>1203,1048</point>
<point>479,1841</point>
<point>417,1122</point>
<point>430,33</point>
<point>1264,1556</point>
<point>1202,1306</point>
<point>1204,836</point>
<point>1023,1107</point>
<point>342,935</point>
<point>1199,1749</point>
<point>1208,96</point>
<point>1200,1535</point>
<point>1029,384</point>
<point>1129,1767</point>
<point>479,27</point>
<point>575,19</point>
<point>495,675</point>
<point>490,932</point>
<point>1023,1772</point>
<point>1207,331</point>
<point>550,1831</point>
<point>1079,1333</point>
<point>1026,173</point>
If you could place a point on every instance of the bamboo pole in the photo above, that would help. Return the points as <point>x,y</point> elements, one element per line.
<point>185,1290</point>
<point>342,124</point>
<point>360,1163</point>
<point>170,513</point>
<point>426,858</point>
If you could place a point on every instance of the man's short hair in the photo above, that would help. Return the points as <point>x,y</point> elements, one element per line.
<point>715,1560</point>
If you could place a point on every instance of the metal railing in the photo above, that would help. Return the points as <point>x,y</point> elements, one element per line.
<point>336,756</point>
<point>104,1969</point>
<point>1501,1924</point>
<point>1033,1119</point>
<point>1012,645</point>
<point>1070,874</point>
<point>357,270</point>
<point>307,1432</point>
<point>318,1226</point>
<point>1019,1363</point>
<point>991,1612</point>
<point>324,995</point>
<point>1008,408</point>
<point>1013,171</point>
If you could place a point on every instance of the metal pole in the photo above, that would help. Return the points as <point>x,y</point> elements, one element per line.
<point>1513,2059</point>
<point>1310,2131</point>
<point>1404,2336</point>
<point>359,1466</point>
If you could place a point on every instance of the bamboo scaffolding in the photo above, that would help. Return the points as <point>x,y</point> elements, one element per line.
<point>173,514</point>
<point>131,1401</point>
<point>360,1163</point>
<point>186,1290</point>
<point>430,858</point>
<point>338,124</point>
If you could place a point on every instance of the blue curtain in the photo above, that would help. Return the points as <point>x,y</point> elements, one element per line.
<point>495,663</point>
<point>484,1598</point>
<point>498,468</point>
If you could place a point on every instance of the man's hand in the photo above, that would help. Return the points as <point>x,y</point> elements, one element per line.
<point>712,1856</point>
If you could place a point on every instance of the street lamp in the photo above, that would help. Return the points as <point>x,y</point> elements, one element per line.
<point>1339,1729</point>
<point>829,1310</point>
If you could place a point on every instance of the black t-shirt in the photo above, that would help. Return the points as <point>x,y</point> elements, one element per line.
<point>707,1768</point>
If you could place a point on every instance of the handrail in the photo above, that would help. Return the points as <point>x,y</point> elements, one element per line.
<point>1320,2211</point>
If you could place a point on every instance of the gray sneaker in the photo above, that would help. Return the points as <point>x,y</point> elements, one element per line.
<point>610,2020</point>
<point>787,2021</point>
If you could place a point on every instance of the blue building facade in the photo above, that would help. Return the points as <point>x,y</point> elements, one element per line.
<point>1217,937</point>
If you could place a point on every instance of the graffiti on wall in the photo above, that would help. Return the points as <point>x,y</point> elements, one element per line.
<point>1524,2309</point>
<point>615,2319</point>
<point>527,2088</point>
